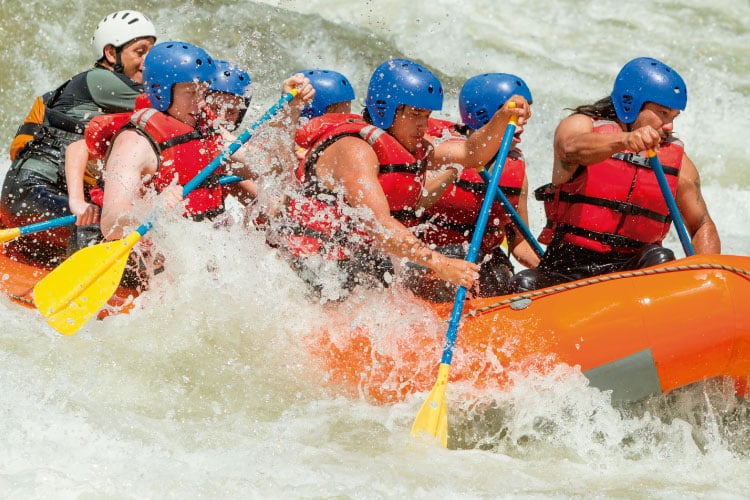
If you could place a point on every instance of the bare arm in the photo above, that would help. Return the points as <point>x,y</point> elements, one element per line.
<point>131,158</point>
<point>351,165</point>
<point>576,144</point>
<point>244,191</point>
<point>76,160</point>
<point>483,143</point>
<point>694,212</point>
<point>269,153</point>
<point>435,185</point>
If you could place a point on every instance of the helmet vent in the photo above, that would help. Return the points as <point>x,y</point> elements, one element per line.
<point>627,102</point>
<point>380,107</point>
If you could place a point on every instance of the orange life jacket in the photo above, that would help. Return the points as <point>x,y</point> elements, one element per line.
<point>613,205</point>
<point>31,124</point>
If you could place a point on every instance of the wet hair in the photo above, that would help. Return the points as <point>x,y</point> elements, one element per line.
<point>604,109</point>
<point>366,116</point>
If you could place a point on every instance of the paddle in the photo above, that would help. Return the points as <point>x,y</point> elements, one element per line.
<point>687,246</point>
<point>522,228</point>
<point>433,416</point>
<point>75,291</point>
<point>7,235</point>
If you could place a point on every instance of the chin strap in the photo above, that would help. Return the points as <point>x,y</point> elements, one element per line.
<point>118,67</point>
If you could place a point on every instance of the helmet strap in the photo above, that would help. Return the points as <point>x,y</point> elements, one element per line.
<point>118,67</point>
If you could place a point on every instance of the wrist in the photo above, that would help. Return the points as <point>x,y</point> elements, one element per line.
<point>457,169</point>
<point>422,254</point>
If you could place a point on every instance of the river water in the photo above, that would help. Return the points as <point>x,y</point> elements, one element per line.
<point>206,391</point>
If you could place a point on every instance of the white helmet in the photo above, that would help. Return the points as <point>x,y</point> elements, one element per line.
<point>119,28</point>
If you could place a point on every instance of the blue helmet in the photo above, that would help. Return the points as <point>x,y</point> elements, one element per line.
<point>399,82</point>
<point>331,87</point>
<point>645,80</point>
<point>168,63</point>
<point>231,79</point>
<point>482,95</point>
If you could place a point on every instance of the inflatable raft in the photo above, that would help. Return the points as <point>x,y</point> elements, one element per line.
<point>637,334</point>
<point>17,280</point>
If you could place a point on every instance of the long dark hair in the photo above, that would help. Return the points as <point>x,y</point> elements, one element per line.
<point>603,109</point>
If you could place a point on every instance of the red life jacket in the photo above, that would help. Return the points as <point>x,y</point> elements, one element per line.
<point>453,218</point>
<point>101,129</point>
<point>437,127</point>
<point>182,152</point>
<point>98,135</point>
<point>318,215</point>
<point>614,205</point>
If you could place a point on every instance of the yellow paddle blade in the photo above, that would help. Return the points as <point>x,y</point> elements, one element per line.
<point>7,235</point>
<point>433,416</point>
<point>77,289</point>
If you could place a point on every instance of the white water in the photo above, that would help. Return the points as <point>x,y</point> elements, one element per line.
<point>205,389</point>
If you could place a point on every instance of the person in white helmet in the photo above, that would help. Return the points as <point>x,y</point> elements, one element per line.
<point>35,188</point>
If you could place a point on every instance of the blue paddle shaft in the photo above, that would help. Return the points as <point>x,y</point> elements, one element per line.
<point>71,219</point>
<point>230,179</point>
<point>476,239</point>
<point>522,228</point>
<point>687,246</point>
<point>48,224</point>
<point>235,145</point>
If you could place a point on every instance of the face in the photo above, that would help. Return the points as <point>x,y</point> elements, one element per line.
<point>409,126</point>
<point>187,101</point>
<point>519,128</point>
<point>659,117</point>
<point>132,57</point>
<point>228,109</point>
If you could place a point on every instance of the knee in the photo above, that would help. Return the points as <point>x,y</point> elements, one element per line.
<point>494,280</point>
<point>495,274</point>
<point>525,281</point>
<point>534,279</point>
<point>654,255</point>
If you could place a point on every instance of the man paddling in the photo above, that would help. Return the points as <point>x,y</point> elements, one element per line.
<point>605,210</point>
<point>450,223</point>
<point>164,147</point>
<point>364,185</point>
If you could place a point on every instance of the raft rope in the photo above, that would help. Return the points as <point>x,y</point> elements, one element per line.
<point>548,291</point>
<point>601,279</point>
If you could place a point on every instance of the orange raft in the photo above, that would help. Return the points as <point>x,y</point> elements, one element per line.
<point>17,280</point>
<point>636,333</point>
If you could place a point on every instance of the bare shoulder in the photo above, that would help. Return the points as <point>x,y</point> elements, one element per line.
<point>348,153</point>
<point>129,139</point>
<point>574,124</point>
<point>131,150</point>
<point>688,168</point>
